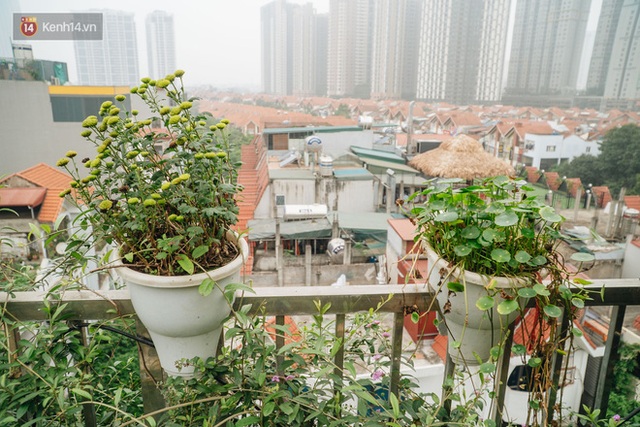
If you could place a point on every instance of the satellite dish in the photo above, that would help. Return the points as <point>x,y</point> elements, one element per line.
<point>313,143</point>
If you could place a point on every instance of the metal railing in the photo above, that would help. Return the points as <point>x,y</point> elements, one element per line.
<point>286,301</point>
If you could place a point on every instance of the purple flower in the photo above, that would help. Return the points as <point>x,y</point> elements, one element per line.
<point>377,374</point>
<point>616,417</point>
<point>275,379</point>
<point>377,356</point>
<point>289,377</point>
<point>376,322</point>
<point>386,334</point>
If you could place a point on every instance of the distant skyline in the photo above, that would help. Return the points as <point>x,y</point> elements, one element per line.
<point>217,43</point>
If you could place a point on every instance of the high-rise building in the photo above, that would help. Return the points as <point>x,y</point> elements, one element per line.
<point>461,55</point>
<point>161,47</point>
<point>276,48</point>
<point>112,61</point>
<point>394,57</point>
<point>7,9</point>
<point>293,49</point>
<point>349,52</point>
<point>547,46</point>
<point>615,63</point>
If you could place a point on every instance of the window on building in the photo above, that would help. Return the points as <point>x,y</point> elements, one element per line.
<point>551,148</point>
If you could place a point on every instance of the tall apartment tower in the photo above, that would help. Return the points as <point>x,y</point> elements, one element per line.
<point>112,61</point>
<point>349,52</point>
<point>321,46</point>
<point>277,48</point>
<point>615,61</point>
<point>547,45</point>
<point>161,46</point>
<point>394,57</point>
<point>461,53</point>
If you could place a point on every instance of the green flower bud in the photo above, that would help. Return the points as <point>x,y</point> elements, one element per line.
<point>176,181</point>
<point>105,205</point>
<point>114,111</point>
<point>109,165</point>
<point>152,82</point>
<point>107,141</point>
<point>221,154</point>
<point>180,218</point>
<point>155,196</point>
<point>63,193</point>
<point>131,154</point>
<point>134,112</point>
<point>175,111</point>
<point>149,202</point>
<point>211,155</point>
<point>86,179</point>
<point>178,73</point>
<point>113,134</point>
<point>89,122</point>
<point>162,83</point>
<point>133,201</point>
<point>225,121</point>
<point>87,164</point>
<point>62,162</point>
<point>105,105</point>
<point>199,156</point>
<point>170,77</point>
<point>95,163</point>
<point>144,154</point>
<point>165,110</point>
<point>128,125</point>
<point>145,79</point>
<point>221,125</point>
<point>142,90</point>
<point>172,217</point>
<point>85,133</point>
<point>113,120</point>
<point>71,154</point>
<point>74,184</point>
<point>120,98</point>
<point>174,120</point>
<point>165,185</point>
<point>95,172</point>
<point>186,105</point>
<point>184,177</point>
<point>134,89</point>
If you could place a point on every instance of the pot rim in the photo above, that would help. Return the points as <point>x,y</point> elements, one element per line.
<point>156,281</point>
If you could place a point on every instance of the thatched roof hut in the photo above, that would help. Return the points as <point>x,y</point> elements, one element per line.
<point>460,157</point>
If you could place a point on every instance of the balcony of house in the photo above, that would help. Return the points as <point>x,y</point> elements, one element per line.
<point>78,315</point>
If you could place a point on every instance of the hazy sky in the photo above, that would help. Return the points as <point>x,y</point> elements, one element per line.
<point>217,42</point>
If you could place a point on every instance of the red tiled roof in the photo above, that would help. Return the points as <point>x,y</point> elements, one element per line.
<point>632,202</point>
<point>54,181</point>
<point>18,197</point>
<point>404,227</point>
<point>602,195</point>
<point>553,180</point>
<point>533,174</point>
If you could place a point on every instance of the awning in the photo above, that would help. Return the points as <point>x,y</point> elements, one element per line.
<point>265,229</point>
<point>20,197</point>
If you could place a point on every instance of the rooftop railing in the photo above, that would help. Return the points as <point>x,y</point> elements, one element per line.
<point>83,305</point>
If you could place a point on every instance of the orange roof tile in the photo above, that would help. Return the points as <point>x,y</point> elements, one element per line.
<point>632,202</point>
<point>54,180</point>
<point>439,345</point>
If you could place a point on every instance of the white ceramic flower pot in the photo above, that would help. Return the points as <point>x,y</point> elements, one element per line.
<point>182,323</point>
<point>476,330</point>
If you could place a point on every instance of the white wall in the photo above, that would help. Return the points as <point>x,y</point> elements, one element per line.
<point>336,144</point>
<point>540,145</point>
<point>631,266</point>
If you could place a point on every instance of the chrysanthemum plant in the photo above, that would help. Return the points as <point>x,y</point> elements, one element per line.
<point>161,187</point>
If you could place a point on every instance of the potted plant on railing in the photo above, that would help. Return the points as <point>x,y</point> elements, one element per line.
<point>492,247</point>
<point>162,188</point>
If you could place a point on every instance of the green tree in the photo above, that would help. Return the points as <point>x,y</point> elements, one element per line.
<point>586,167</point>
<point>342,110</point>
<point>620,159</point>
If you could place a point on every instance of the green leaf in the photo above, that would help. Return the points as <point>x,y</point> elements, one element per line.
<point>529,233</point>
<point>518,349</point>
<point>487,368</point>
<point>582,257</point>
<point>186,264</point>
<point>538,260</point>
<point>247,421</point>
<point>541,289</point>
<point>552,310</point>
<point>415,317</point>
<point>206,287</point>
<point>448,216</point>
<point>485,303</point>
<point>534,362</point>
<point>522,257</point>
<point>199,251</point>
<point>455,287</point>
<point>577,302</point>
<point>462,250</point>
<point>549,214</point>
<point>489,234</point>
<point>500,255</point>
<point>81,393</point>
<point>527,293</point>
<point>128,256</point>
<point>471,232</point>
<point>393,399</point>
<point>576,332</point>
<point>506,219</point>
<point>507,307</point>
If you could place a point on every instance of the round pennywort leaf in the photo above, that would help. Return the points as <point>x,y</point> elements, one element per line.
<point>485,303</point>
<point>500,255</point>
